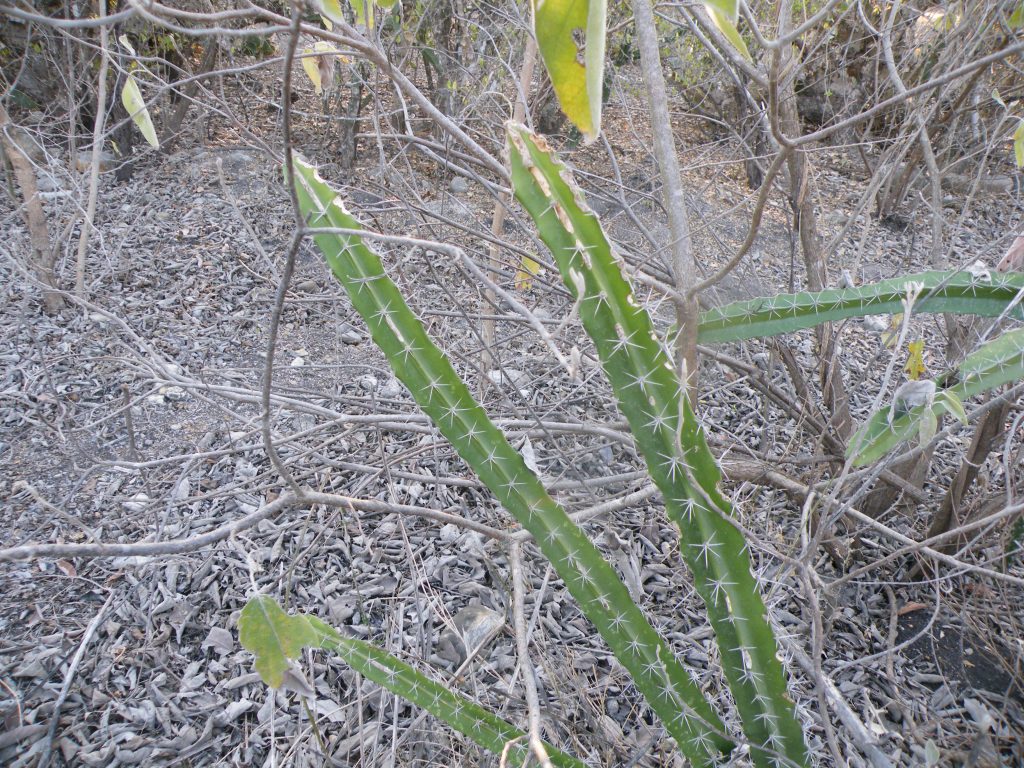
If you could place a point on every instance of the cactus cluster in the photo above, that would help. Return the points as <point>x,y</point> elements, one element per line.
<point>442,395</point>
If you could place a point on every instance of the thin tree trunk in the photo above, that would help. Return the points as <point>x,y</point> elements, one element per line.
<point>172,127</point>
<point>802,201</point>
<point>986,431</point>
<point>41,259</point>
<point>97,148</point>
<point>684,270</point>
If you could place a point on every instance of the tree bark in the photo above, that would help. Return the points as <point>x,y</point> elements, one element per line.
<point>684,270</point>
<point>41,260</point>
<point>802,201</point>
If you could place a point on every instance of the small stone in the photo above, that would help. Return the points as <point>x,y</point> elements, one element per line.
<point>47,183</point>
<point>511,377</point>
<point>308,286</point>
<point>173,394</point>
<point>459,186</point>
<point>391,389</point>
<point>475,626</point>
<point>350,335</point>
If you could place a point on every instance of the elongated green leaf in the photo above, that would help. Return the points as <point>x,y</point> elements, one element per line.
<point>133,102</point>
<point>275,638</point>
<point>429,376</point>
<point>1018,145</point>
<point>998,362</point>
<point>727,26</point>
<point>668,435</point>
<point>571,41</point>
<point>956,292</point>
<point>729,9</point>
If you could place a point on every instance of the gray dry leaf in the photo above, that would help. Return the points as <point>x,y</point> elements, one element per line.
<point>220,640</point>
<point>475,627</point>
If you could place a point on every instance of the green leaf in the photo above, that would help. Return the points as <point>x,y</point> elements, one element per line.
<point>363,10</point>
<point>131,97</point>
<point>311,58</point>
<point>571,40</point>
<point>928,425</point>
<point>332,10</point>
<point>273,636</point>
<point>728,9</point>
<point>1018,145</point>
<point>956,292</point>
<point>1016,20</point>
<point>276,637</point>
<point>952,404</point>
<point>727,26</point>
<point>123,40</point>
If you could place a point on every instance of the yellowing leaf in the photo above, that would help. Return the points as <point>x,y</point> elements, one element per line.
<point>1018,145</point>
<point>274,637</point>
<point>332,10</point>
<point>915,360</point>
<point>727,27</point>
<point>123,39</point>
<point>892,334</point>
<point>730,9</point>
<point>328,24</point>
<point>571,39</point>
<point>528,268</point>
<point>319,68</point>
<point>131,97</point>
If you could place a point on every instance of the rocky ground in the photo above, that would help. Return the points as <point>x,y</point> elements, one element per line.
<point>134,417</point>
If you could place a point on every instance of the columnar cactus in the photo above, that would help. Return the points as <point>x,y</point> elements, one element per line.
<point>671,441</point>
<point>975,292</point>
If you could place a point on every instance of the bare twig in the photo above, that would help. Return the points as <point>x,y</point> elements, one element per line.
<point>97,149</point>
<point>515,556</point>
<point>90,630</point>
<point>684,271</point>
<point>271,509</point>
